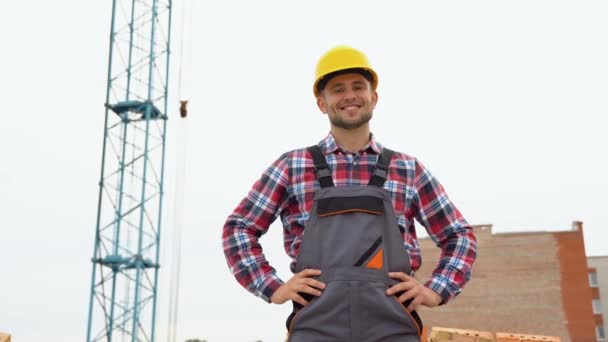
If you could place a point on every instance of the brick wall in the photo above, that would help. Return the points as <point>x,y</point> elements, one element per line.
<point>576,292</point>
<point>516,286</point>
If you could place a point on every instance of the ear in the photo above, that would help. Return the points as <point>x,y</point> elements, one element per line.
<point>374,98</point>
<point>321,104</point>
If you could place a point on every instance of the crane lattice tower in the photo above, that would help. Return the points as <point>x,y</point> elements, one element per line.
<point>122,304</point>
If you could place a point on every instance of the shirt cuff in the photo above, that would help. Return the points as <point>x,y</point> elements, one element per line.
<point>269,286</point>
<point>444,287</point>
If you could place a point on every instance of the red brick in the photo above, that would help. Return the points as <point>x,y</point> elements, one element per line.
<point>509,337</point>
<point>439,334</point>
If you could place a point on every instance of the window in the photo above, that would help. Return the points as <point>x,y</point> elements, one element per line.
<point>593,279</point>
<point>597,307</point>
<point>599,333</point>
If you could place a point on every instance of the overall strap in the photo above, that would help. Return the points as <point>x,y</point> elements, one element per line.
<point>322,170</point>
<point>381,169</point>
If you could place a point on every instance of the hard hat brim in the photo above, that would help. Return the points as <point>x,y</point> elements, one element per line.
<point>368,73</point>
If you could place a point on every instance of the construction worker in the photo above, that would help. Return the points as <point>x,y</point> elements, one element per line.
<point>348,206</point>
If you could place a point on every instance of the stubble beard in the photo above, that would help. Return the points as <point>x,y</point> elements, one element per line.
<point>338,122</point>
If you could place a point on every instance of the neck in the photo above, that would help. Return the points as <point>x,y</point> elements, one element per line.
<point>352,140</point>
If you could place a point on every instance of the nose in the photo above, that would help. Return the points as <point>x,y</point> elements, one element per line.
<point>349,94</point>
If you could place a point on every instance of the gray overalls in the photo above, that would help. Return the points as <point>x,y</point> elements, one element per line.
<point>352,236</point>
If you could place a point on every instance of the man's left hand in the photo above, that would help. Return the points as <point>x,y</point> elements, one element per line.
<point>413,289</point>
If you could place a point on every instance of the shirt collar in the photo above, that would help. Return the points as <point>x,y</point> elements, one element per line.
<point>330,145</point>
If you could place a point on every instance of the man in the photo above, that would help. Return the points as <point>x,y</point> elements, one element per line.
<point>348,207</point>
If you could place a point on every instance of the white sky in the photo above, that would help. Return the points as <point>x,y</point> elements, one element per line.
<point>505,102</point>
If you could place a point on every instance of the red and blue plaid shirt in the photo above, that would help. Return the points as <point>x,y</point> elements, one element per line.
<point>287,187</point>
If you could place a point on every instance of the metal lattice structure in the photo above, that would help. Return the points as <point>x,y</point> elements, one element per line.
<point>122,304</point>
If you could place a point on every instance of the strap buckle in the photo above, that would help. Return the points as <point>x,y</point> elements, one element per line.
<point>381,172</point>
<point>323,173</point>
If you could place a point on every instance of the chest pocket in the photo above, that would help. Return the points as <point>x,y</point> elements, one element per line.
<point>341,205</point>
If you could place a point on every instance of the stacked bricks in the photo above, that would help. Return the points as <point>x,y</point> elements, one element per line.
<point>439,334</point>
<point>506,337</point>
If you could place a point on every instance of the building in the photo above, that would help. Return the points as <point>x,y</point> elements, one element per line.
<point>530,283</point>
<point>598,280</point>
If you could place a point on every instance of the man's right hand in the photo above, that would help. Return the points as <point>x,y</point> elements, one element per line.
<point>300,282</point>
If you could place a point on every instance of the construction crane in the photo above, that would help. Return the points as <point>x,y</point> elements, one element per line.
<point>126,253</point>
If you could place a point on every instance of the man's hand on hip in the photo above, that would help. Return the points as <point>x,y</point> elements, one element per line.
<point>420,294</point>
<point>300,282</point>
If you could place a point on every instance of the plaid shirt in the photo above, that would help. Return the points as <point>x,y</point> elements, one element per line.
<point>287,187</point>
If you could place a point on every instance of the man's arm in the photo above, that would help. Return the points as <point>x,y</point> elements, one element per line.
<point>449,230</point>
<point>248,222</point>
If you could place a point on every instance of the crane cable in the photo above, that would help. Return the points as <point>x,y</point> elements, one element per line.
<point>177,230</point>
<point>181,153</point>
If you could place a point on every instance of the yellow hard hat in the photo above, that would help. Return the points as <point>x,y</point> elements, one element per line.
<point>341,58</point>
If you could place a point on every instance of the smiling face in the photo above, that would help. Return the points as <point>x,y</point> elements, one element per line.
<point>348,100</point>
